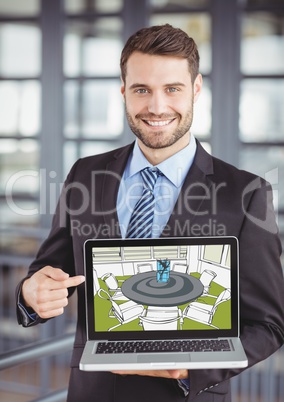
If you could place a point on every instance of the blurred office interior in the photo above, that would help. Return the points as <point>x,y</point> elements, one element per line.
<point>60,100</point>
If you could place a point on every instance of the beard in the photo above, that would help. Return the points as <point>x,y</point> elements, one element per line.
<point>157,140</point>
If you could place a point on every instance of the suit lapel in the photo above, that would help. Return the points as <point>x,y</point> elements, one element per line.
<point>111,180</point>
<point>195,198</point>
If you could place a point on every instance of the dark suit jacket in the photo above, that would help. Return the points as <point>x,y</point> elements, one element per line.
<point>216,199</point>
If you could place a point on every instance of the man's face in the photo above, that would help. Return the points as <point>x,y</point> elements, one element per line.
<point>159,98</point>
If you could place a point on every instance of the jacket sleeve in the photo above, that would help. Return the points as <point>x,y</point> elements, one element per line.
<point>261,288</point>
<point>56,251</point>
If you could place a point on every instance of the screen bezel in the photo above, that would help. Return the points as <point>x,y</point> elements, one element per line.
<point>119,335</point>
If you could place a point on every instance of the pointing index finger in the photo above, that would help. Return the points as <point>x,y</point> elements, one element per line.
<point>74,281</point>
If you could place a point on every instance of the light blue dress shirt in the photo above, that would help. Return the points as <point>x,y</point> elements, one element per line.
<point>166,190</point>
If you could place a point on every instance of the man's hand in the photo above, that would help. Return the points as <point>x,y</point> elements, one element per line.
<point>174,374</point>
<point>46,291</point>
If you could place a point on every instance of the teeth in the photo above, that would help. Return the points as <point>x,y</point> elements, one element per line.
<point>158,123</point>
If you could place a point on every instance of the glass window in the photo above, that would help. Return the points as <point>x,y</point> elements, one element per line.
<point>182,251</point>
<point>281,229</point>
<point>165,252</point>
<point>18,244</point>
<point>20,50</point>
<point>140,253</point>
<point>71,109</point>
<point>70,155</point>
<point>228,258</point>
<point>106,254</point>
<point>16,7</point>
<point>101,56</point>
<point>262,45</point>
<point>197,26</point>
<point>102,6</point>
<point>281,226</point>
<point>201,126</point>
<point>207,147</point>
<point>261,110</point>
<point>179,3</point>
<point>18,212</point>
<point>267,162</point>
<point>93,49</point>
<point>18,166</point>
<point>88,148</point>
<point>99,109</point>
<point>102,109</point>
<point>263,3</point>
<point>72,151</point>
<point>19,108</point>
<point>213,253</point>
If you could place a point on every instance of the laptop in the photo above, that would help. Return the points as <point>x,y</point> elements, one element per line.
<point>166,303</point>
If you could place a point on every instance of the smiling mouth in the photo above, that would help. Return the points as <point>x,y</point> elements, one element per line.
<point>158,123</point>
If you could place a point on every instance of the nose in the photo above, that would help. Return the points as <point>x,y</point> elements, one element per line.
<point>157,103</point>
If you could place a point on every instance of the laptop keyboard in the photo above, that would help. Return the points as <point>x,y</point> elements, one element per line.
<point>208,345</point>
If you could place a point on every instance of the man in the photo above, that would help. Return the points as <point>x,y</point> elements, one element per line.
<point>194,192</point>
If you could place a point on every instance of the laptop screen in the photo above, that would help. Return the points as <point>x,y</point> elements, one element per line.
<point>167,287</point>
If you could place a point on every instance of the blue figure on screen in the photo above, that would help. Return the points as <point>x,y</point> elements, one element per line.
<point>163,270</point>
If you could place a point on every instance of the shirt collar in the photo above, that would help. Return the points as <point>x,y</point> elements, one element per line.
<point>174,168</point>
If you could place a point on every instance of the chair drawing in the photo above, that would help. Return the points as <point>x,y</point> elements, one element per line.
<point>204,313</point>
<point>206,278</point>
<point>161,318</point>
<point>113,287</point>
<point>124,312</point>
<point>145,267</point>
<point>177,267</point>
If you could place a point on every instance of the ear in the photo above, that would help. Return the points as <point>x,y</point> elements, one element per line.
<point>197,86</point>
<point>122,89</point>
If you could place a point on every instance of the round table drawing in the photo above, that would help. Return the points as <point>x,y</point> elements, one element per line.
<point>145,289</point>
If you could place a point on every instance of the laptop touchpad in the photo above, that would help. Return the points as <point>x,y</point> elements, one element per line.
<point>163,358</point>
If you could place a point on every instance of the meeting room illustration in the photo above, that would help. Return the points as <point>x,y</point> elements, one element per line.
<point>155,288</point>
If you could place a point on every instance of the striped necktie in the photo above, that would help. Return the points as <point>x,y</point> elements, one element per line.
<point>141,221</point>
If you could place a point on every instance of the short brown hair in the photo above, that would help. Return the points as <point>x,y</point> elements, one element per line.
<point>163,40</point>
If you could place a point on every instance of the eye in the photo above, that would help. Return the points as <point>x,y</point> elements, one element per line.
<point>172,89</point>
<point>142,91</point>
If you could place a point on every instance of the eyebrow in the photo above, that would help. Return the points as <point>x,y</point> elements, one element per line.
<point>172,84</point>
